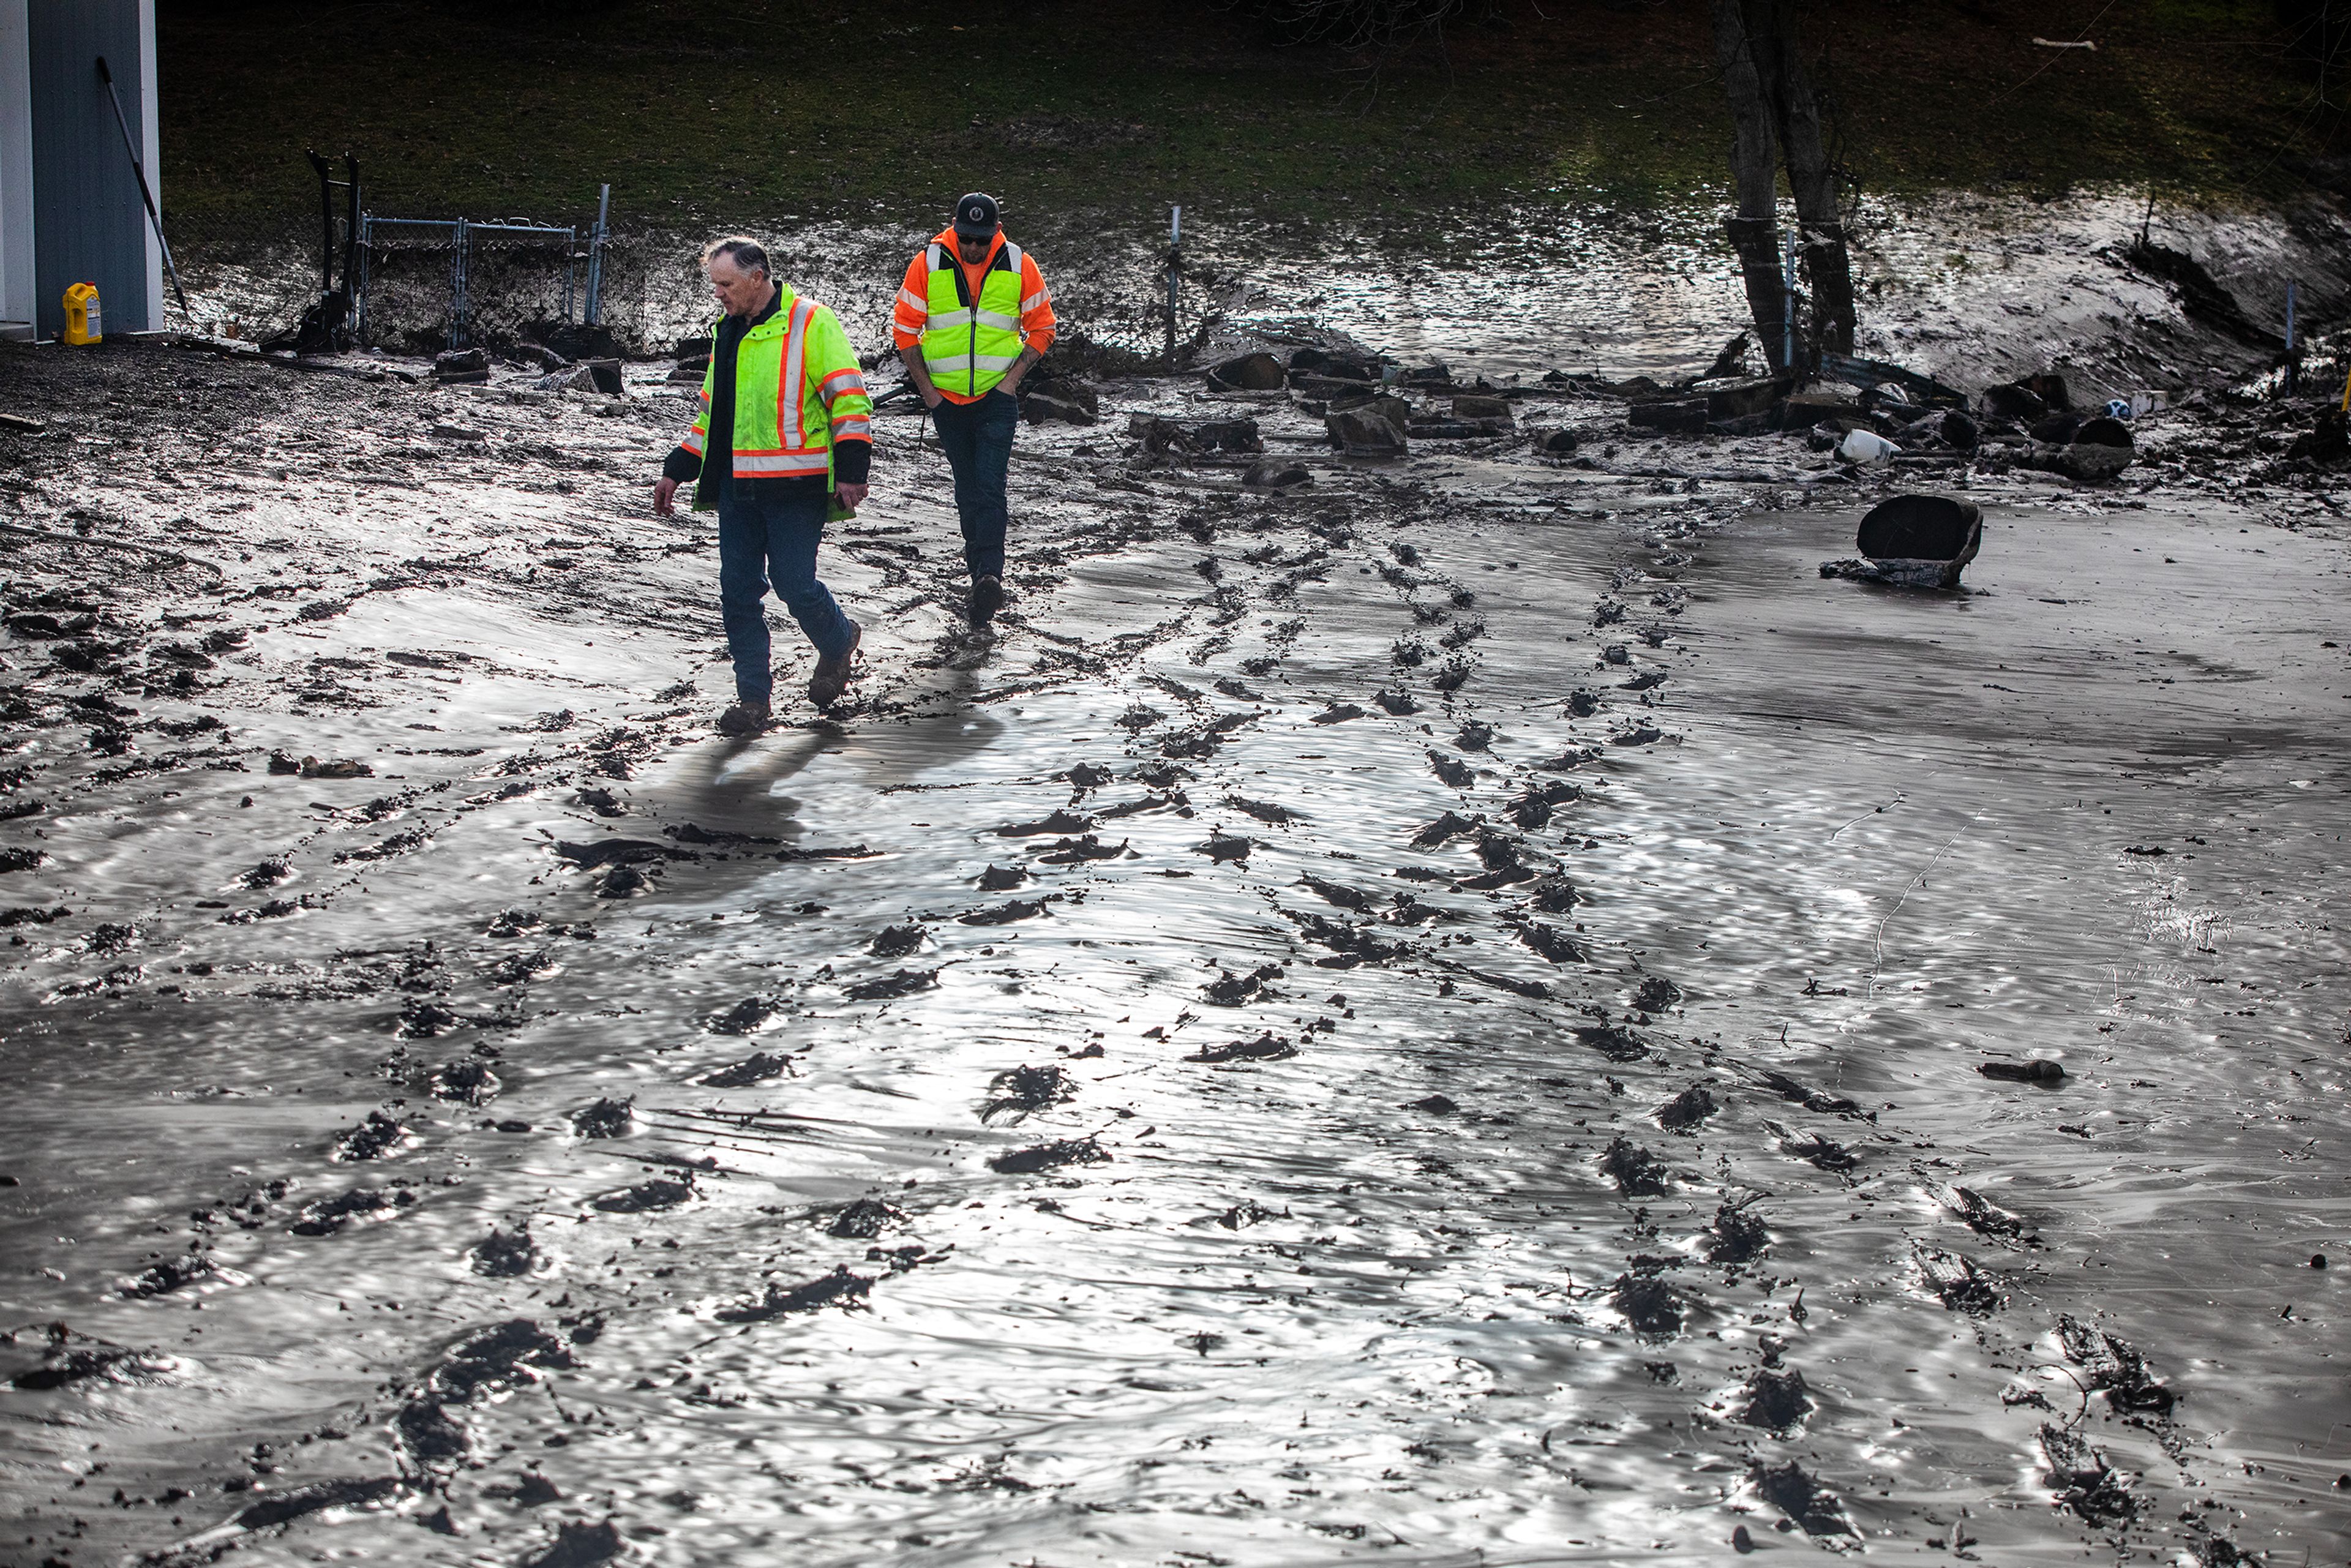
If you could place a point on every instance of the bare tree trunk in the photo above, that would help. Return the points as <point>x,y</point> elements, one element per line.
<point>1755,230</point>
<point>1814,183</point>
<point>1771,101</point>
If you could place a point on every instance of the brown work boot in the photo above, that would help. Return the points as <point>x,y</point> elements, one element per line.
<point>987,599</point>
<point>744,718</point>
<point>832,676</point>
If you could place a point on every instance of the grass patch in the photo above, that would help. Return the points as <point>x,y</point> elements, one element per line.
<point>700,115</point>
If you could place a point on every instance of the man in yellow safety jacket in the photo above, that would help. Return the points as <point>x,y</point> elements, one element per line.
<point>783,431</point>
<point>972,316</point>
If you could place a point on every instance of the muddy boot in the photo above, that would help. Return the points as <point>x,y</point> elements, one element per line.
<point>832,676</point>
<point>987,599</point>
<point>744,718</point>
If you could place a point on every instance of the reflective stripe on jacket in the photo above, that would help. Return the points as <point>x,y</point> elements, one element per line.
<point>969,343</point>
<point>798,390</point>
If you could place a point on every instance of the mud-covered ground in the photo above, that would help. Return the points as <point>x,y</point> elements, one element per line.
<point>1465,1012</point>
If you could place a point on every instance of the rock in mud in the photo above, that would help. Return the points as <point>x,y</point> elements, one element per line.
<point>505,1254</point>
<point>579,1544</point>
<point>1276,473</point>
<point>1250,373</point>
<point>646,1196</point>
<point>1636,1172</point>
<point>904,983</point>
<point>1791,1491</point>
<point>1649,1304</point>
<point>1688,1109</point>
<point>607,1118</point>
<point>756,1067</point>
<point>896,941</point>
<point>1050,1156</point>
<point>337,768</point>
<point>1737,1235</point>
<point>839,1288</point>
<point>1337,713</point>
<point>2083,1480</point>
<point>1375,429</point>
<point>371,1140</point>
<point>1232,990</point>
<point>16,857</point>
<point>1775,1400</point>
<point>1002,878</point>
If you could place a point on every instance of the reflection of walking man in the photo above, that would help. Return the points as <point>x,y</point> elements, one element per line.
<point>782,430</point>
<point>972,316</point>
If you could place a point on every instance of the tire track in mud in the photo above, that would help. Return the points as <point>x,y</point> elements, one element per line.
<point>1578,1089</point>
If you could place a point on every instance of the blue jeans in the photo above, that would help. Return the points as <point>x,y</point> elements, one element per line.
<point>978,437</point>
<point>763,541</point>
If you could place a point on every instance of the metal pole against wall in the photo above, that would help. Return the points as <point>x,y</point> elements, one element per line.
<point>595,312</point>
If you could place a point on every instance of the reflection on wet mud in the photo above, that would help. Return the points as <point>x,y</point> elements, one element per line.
<point>1443,1014</point>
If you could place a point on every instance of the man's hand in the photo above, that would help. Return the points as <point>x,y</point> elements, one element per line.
<point>851,496</point>
<point>932,396</point>
<point>665,497</point>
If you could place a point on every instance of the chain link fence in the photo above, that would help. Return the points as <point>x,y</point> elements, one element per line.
<point>252,273</point>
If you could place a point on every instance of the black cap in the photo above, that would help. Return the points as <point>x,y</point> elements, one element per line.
<point>977,215</point>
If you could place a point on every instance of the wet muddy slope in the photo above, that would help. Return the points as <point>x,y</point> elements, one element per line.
<point>1476,1009</point>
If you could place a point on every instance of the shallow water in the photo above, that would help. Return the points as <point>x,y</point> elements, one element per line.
<point>1369,1294</point>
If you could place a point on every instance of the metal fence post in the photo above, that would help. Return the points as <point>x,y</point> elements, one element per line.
<point>359,303</point>
<point>595,312</point>
<point>457,285</point>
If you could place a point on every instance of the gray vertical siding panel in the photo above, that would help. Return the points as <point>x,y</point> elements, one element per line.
<point>90,223</point>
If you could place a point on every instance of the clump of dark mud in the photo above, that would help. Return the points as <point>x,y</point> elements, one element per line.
<point>756,1067</point>
<point>1796,1493</point>
<point>1775,1400</point>
<point>2113,1366</point>
<point>607,1118</point>
<point>864,1219</point>
<point>1636,1172</point>
<point>839,1288</point>
<point>371,1140</point>
<point>2083,1480</point>
<point>505,1254</point>
<point>1023,1090</point>
<point>1050,1156</point>
<point>1649,1302</point>
<point>1688,1109</point>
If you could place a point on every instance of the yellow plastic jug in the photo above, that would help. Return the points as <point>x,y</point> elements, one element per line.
<point>82,318</point>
